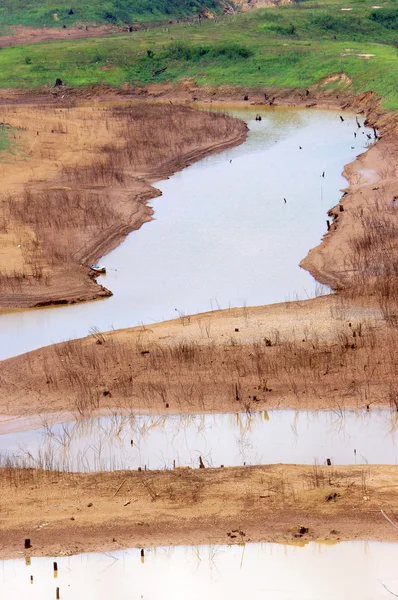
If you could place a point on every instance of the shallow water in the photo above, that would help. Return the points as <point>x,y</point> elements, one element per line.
<point>129,442</point>
<point>222,235</point>
<point>344,571</point>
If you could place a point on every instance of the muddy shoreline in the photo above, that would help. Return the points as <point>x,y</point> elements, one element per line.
<point>123,198</point>
<point>177,368</point>
<point>72,513</point>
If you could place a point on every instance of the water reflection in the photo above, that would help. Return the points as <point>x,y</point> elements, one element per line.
<point>163,442</point>
<point>345,571</point>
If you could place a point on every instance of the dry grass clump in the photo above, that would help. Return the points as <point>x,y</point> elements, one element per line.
<point>156,138</point>
<point>20,470</point>
<point>373,257</point>
<point>359,364</point>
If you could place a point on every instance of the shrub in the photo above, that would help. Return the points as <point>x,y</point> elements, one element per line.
<point>341,24</point>
<point>386,17</point>
<point>186,52</point>
<point>283,29</point>
<point>109,16</point>
<point>231,51</point>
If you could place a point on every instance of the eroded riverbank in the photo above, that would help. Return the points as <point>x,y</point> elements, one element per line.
<point>321,353</point>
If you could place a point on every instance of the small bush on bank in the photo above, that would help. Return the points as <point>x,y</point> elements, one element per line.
<point>386,17</point>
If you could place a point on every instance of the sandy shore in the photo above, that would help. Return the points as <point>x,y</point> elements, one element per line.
<point>71,513</point>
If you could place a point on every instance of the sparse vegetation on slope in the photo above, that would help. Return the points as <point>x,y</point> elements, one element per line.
<point>292,46</point>
<point>38,13</point>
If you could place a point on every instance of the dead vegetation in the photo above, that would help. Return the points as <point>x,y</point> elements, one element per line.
<point>81,208</point>
<point>130,508</point>
<point>356,367</point>
<point>276,481</point>
<point>373,256</point>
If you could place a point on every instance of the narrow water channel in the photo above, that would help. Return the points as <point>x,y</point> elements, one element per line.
<point>316,571</point>
<point>279,436</point>
<point>222,235</point>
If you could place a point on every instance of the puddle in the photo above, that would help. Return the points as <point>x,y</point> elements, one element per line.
<point>162,442</point>
<point>343,571</point>
<point>222,235</point>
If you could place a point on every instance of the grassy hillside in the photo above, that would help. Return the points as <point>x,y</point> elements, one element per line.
<point>51,13</point>
<point>292,46</point>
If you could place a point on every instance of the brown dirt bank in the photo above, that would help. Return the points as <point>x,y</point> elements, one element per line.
<point>322,353</point>
<point>78,183</point>
<point>72,513</point>
<point>20,34</point>
<point>187,91</point>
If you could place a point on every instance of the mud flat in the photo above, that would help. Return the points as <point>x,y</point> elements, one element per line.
<point>305,355</point>
<point>332,352</point>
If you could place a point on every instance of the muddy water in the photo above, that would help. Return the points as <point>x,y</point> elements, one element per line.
<point>344,571</point>
<point>129,442</point>
<point>223,234</point>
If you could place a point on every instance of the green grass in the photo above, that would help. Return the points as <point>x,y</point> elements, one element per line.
<point>38,13</point>
<point>294,46</point>
<point>4,30</point>
<point>7,144</point>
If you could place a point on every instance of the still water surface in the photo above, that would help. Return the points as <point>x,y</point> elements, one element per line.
<point>344,571</point>
<point>222,235</point>
<point>279,436</point>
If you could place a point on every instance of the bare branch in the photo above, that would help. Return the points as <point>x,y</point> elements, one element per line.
<point>388,519</point>
<point>388,590</point>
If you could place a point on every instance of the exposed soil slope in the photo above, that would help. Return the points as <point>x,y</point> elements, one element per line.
<point>246,5</point>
